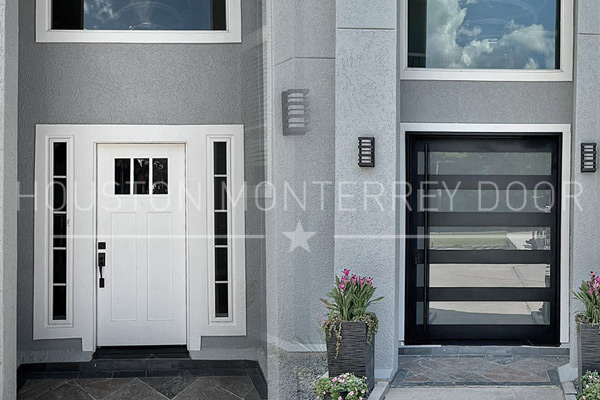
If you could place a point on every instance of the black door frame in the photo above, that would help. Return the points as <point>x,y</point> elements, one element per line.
<point>482,334</point>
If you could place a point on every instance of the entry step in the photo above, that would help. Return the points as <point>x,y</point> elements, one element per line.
<point>141,353</point>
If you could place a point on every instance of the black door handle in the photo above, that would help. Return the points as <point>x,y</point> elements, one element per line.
<point>101,261</point>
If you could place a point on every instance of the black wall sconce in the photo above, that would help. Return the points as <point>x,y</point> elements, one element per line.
<point>366,151</point>
<point>589,157</point>
<point>295,112</point>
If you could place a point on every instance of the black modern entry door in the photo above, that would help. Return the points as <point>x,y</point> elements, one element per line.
<point>483,239</point>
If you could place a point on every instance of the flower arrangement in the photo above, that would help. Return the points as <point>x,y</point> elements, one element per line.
<point>350,297</point>
<point>342,387</point>
<point>590,387</point>
<point>589,295</point>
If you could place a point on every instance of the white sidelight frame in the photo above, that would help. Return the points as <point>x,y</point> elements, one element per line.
<point>45,33</point>
<point>565,73</point>
<point>565,213</point>
<point>83,140</point>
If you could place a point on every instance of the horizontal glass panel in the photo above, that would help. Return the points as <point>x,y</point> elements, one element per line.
<point>220,153</point>
<point>487,34</point>
<point>489,238</point>
<point>487,163</point>
<point>139,15</point>
<point>489,275</point>
<point>489,313</point>
<point>454,200</point>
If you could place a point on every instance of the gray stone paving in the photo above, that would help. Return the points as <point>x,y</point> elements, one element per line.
<point>476,393</point>
<point>478,370</point>
<point>176,388</point>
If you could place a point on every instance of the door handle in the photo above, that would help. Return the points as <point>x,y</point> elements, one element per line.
<point>101,262</point>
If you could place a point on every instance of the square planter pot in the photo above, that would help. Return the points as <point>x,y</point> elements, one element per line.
<point>588,348</point>
<point>355,356</point>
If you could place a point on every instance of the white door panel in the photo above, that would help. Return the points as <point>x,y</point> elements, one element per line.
<point>143,301</point>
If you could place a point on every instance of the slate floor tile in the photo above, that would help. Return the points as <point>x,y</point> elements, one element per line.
<point>239,386</point>
<point>101,388</point>
<point>35,387</point>
<point>169,387</point>
<point>205,389</point>
<point>67,391</point>
<point>135,390</point>
<point>253,395</point>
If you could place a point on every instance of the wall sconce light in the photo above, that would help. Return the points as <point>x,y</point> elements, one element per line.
<point>589,157</point>
<point>295,112</point>
<point>366,151</point>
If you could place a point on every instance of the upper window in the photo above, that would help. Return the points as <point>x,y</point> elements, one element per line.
<point>139,21</point>
<point>488,39</point>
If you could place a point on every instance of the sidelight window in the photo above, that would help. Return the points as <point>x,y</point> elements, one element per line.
<point>221,230</point>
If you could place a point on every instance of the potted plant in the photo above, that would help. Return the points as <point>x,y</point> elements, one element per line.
<point>343,387</point>
<point>349,328</point>
<point>590,387</point>
<point>588,325</point>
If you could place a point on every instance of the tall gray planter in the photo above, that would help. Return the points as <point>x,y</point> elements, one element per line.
<point>355,356</point>
<point>588,348</point>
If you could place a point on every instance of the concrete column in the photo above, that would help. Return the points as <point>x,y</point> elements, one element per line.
<point>366,104</point>
<point>8,197</point>
<point>585,236</point>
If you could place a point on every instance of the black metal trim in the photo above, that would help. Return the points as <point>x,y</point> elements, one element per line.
<point>491,256</point>
<point>480,219</point>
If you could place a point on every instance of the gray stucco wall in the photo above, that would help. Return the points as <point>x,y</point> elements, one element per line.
<point>585,236</point>
<point>8,196</point>
<point>140,84</point>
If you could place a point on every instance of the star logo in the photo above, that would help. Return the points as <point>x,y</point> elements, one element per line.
<point>299,238</point>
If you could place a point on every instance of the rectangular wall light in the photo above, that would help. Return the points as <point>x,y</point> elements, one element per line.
<point>366,151</point>
<point>589,157</point>
<point>295,111</point>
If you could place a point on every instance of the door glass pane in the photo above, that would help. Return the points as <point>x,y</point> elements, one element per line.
<point>59,303</point>
<point>139,15</point>
<point>490,275</point>
<point>222,300</point>
<point>220,154</point>
<point>489,238</point>
<point>221,229</point>
<point>60,230</point>
<point>59,192</point>
<point>122,176</point>
<point>504,201</point>
<point>141,175</point>
<point>221,264</point>
<point>488,163</point>
<point>59,262</point>
<point>498,34</point>
<point>160,176</point>
<point>489,313</point>
<point>220,193</point>
<point>60,159</point>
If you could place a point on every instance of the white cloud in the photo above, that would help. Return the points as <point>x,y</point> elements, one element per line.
<point>520,47</point>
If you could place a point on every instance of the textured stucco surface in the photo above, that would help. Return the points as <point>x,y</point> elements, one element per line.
<point>302,57</point>
<point>140,84</point>
<point>585,235</point>
<point>366,105</point>
<point>8,196</point>
<point>489,102</point>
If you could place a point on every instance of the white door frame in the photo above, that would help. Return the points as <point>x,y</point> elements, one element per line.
<point>198,140</point>
<point>565,177</point>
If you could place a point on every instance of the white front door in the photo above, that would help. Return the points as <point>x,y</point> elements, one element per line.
<point>141,236</point>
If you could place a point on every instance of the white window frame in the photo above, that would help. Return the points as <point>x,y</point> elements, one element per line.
<point>442,74</point>
<point>45,33</point>
<point>82,173</point>
<point>565,320</point>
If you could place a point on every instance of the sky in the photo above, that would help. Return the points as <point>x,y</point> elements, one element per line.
<point>500,34</point>
<point>147,14</point>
